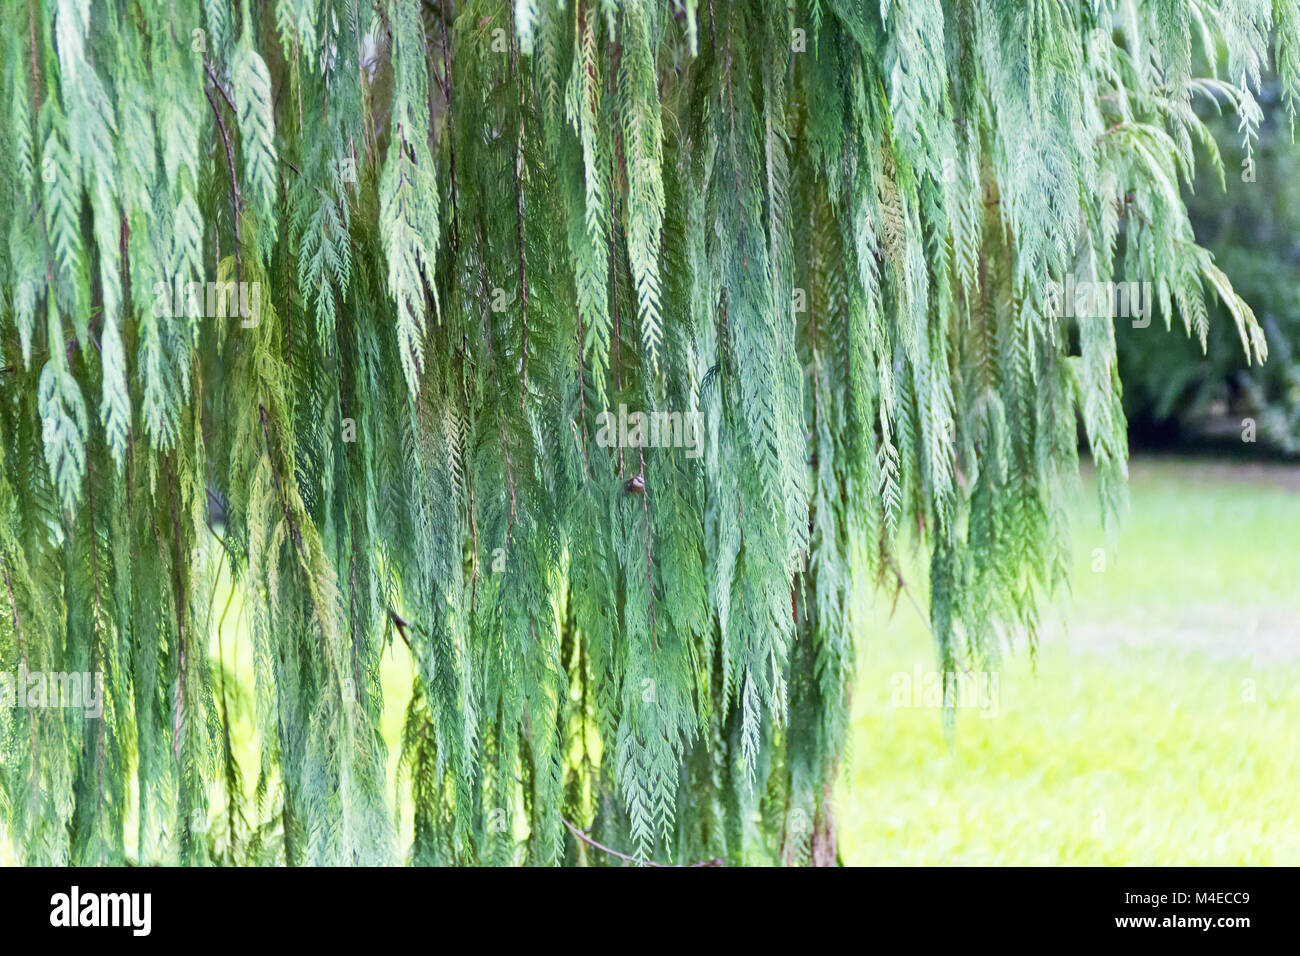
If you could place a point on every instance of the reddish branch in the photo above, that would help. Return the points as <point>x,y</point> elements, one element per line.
<point>451,142</point>
<point>717,861</point>
<point>236,201</point>
<point>519,226</point>
<point>487,323</point>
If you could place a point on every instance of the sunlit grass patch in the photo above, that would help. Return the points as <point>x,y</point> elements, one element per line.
<point>1160,730</point>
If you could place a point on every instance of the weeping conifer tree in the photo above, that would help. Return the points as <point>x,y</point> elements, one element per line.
<point>460,233</point>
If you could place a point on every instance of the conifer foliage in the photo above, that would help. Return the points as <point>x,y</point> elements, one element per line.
<point>435,243</point>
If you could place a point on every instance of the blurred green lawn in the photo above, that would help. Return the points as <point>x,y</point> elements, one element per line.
<point>1160,729</point>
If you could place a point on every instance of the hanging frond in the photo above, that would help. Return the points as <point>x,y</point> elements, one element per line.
<point>592,353</point>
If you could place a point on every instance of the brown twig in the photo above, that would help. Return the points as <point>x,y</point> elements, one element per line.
<point>487,326</point>
<point>902,586</point>
<point>212,75</point>
<point>519,227</point>
<point>716,861</point>
<point>649,562</point>
<point>451,140</point>
<point>235,199</point>
<point>401,624</point>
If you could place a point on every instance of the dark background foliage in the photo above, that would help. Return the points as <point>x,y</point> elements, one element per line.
<point>1174,394</point>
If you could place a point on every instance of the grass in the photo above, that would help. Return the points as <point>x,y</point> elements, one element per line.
<point>1160,729</point>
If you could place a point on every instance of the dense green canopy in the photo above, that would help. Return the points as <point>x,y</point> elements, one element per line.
<point>439,248</point>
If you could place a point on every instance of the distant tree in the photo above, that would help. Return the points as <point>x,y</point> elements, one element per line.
<point>1250,222</point>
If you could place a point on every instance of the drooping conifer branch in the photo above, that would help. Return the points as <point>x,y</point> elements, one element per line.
<point>594,340</point>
